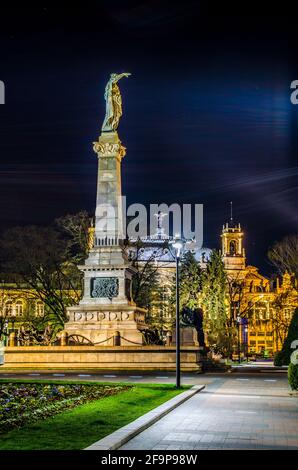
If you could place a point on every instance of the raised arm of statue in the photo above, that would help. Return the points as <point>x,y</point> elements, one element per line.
<point>113,102</point>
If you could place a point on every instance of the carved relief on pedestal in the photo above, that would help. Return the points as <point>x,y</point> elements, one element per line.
<point>124,316</point>
<point>113,316</point>
<point>105,287</point>
<point>89,316</point>
<point>108,316</point>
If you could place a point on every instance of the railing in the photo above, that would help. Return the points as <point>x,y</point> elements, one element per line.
<point>106,241</point>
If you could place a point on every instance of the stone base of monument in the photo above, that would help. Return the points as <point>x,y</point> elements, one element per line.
<point>101,358</point>
<point>98,324</point>
<point>188,336</point>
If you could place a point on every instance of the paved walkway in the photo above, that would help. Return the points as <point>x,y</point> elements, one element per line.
<point>233,412</point>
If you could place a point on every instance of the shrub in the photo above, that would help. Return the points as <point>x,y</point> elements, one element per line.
<point>293,376</point>
<point>279,359</point>
<point>292,336</point>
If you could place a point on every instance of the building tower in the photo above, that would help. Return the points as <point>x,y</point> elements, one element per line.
<point>233,253</point>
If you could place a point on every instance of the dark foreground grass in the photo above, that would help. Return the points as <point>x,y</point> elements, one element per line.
<point>77,428</point>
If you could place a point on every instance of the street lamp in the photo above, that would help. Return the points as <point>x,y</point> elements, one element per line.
<point>6,332</point>
<point>238,327</point>
<point>246,341</point>
<point>178,244</point>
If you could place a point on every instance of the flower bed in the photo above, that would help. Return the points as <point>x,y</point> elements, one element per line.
<point>22,403</point>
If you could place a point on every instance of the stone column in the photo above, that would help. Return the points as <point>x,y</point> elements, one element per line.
<point>107,306</point>
<point>108,214</point>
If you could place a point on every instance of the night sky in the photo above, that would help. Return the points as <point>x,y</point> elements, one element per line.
<point>207,113</point>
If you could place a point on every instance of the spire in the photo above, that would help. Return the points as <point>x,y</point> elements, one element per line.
<point>231,209</point>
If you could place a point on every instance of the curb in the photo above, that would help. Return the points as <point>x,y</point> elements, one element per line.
<point>121,436</point>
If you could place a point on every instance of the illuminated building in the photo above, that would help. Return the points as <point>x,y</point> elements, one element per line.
<point>265,307</point>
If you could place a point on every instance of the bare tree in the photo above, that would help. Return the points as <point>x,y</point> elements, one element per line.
<point>77,228</point>
<point>146,279</point>
<point>239,303</point>
<point>284,255</point>
<point>5,311</point>
<point>38,257</point>
<point>283,307</point>
<point>151,289</point>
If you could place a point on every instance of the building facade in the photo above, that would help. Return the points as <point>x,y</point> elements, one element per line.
<point>263,307</point>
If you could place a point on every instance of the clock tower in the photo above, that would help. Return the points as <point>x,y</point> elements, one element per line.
<point>233,253</point>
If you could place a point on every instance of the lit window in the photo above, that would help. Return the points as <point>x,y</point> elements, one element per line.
<point>19,308</point>
<point>8,307</point>
<point>232,247</point>
<point>39,309</point>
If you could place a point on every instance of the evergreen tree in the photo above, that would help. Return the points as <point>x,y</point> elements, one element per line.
<point>190,286</point>
<point>283,357</point>
<point>190,282</point>
<point>220,334</point>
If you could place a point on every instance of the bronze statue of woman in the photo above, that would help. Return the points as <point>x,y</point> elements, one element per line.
<point>113,103</point>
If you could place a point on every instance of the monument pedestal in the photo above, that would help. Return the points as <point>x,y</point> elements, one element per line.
<point>99,324</point>
<point>100,358</point>
<point>107,307</point>
<point>188,336</point>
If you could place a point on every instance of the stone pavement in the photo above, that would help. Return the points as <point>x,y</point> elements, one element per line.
<point>233,412</point>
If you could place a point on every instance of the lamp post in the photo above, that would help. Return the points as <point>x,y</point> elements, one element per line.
<point>238,327</point>
<point>11,320</point>
<point>6,332</point>
<point>178,245</point>
<point>246,341</point>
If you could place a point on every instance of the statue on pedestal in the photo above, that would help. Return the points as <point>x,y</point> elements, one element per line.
<point>113,103</point>
<point>107,306</point>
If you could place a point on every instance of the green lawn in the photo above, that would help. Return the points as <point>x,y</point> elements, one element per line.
<point>85,424</point>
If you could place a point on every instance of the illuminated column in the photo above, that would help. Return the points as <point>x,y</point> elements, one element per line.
<point>108,213</point>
